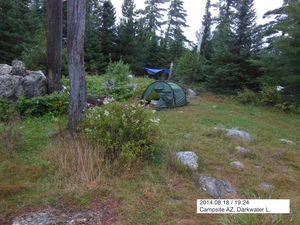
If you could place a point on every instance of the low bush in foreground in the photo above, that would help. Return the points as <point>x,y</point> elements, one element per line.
<point>128,133</point>
<point>55,104</point>
<point>7,109</point>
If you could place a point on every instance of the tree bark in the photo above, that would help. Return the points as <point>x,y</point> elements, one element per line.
<point>54,43</point>
<point>76,27</point>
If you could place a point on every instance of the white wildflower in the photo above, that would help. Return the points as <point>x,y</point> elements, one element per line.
<point>156,121</point>
<point>106,113</point>
<point>153,111</point>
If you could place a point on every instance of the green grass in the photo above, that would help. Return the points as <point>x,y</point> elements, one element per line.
<point>163,194</point>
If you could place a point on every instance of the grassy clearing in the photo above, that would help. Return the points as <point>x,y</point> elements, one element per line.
<point>166,194</point>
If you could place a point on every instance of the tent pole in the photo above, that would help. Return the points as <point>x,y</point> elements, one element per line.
<point>171,71</point>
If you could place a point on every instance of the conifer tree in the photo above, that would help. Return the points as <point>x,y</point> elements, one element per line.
<point>127,45</point>
<point>230,70</point>
<point>280,62</point>
<point>175,37</point>
<point>14,30</point>
<point>108,32</point>
<point>153,14</point>
<point>206,27</point>
<point>245,27</point>
<point>93,51</point>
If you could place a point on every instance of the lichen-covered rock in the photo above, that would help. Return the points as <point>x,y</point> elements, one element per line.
<point>238,165</point>
<point>15,81</point>
<point>18,68</point>
<point>238,134</point>
<point>11,87</point>
<point>188,158</point>
<point>5,69</point>
<point>216,188</point>
<point>34,84</point>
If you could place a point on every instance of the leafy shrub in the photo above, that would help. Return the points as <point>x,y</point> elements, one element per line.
<point>7,110</point>
<point>127,132</point>
<point>117,82</point>
<point>55,104</point>
<point>269,96</point>
<point>117,72</point>
<point>189,67</point>
<point>247,97</point>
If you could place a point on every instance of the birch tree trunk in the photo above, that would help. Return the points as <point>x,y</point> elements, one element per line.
<point>76,27</point>
<point>54,43</point>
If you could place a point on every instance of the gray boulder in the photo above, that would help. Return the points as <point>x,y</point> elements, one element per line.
<point>238,165</point>
<point>188,158</point>
<point>34,84</point>
<point>18,68</point>
<point>10,87</point>
<point>216,188</point>
<point>238,134</point>
<point>5,69</point>
<point>191,93</point>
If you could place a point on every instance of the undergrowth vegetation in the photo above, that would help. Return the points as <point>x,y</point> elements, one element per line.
<point>117,81</point>
<point>269,96</point>
<point>77,164</point>
<point>124,152</point>
<point>128,132</point>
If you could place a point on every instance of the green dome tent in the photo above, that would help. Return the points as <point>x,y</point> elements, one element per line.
<point>167,94</point>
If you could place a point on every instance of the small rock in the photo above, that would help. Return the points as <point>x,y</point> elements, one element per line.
<point>188,158</point>
<point>286,141</point>
<point>188,136</point>
<point>18,68</point>
<point>39,218</point>
<point>239,134</point>
<point>216,188</point>
<point>5,69</point>
<point>266,186</point>
<point>242,151</point>
<point>191,93</point>
<point>238,165</point>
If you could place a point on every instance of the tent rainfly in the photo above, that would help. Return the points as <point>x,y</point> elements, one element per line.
<point>156,73</point>
<point>167,95</point>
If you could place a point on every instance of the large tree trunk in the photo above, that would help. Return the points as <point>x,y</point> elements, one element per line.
<point>76,26</point>
<point>54,43</point>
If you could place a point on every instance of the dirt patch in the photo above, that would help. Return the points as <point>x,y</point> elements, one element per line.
<point>95,214</point>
